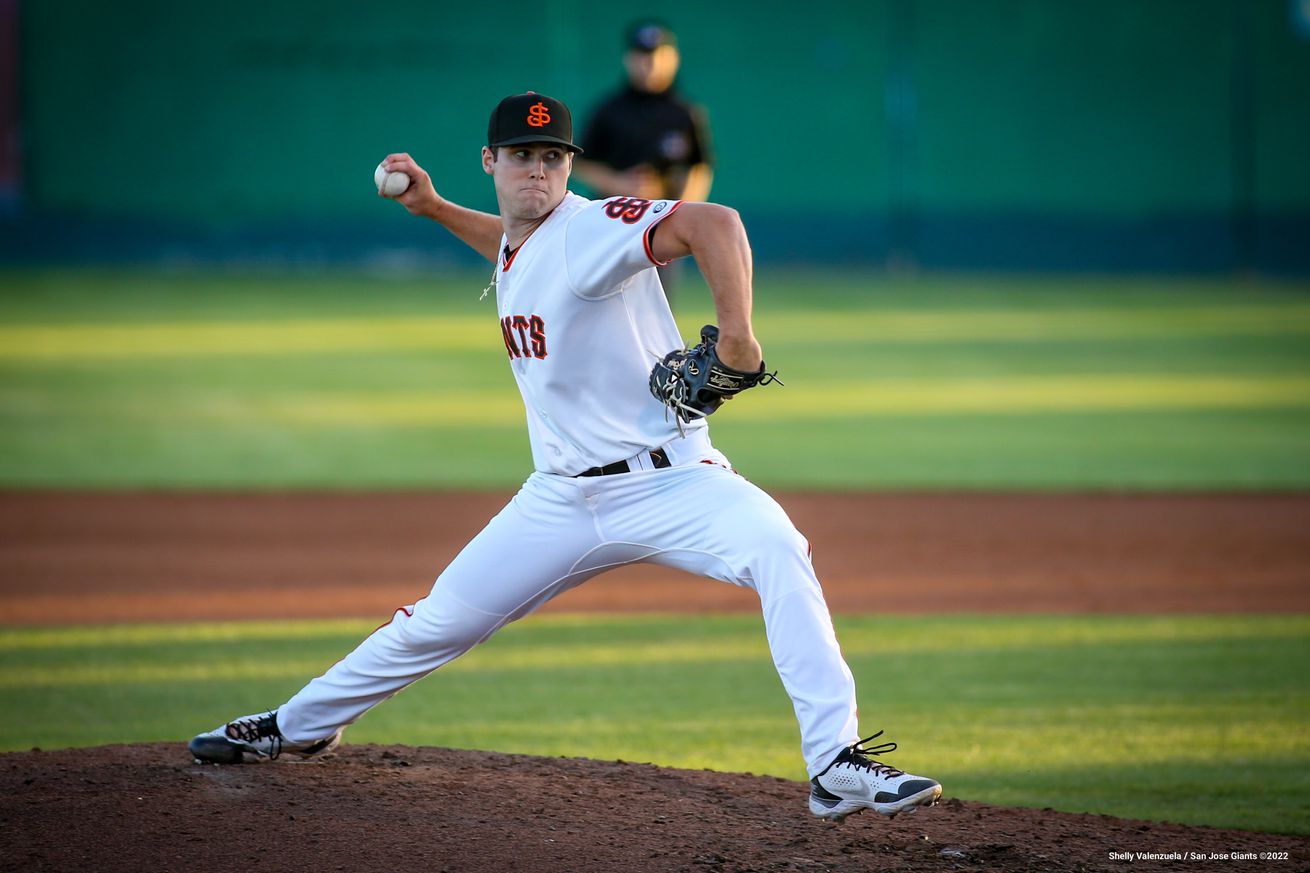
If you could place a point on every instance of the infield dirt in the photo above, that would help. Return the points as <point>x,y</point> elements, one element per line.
<point>93,558</point>
<point>104,557</point>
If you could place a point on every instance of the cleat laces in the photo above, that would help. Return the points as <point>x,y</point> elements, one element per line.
<point>858,756</point>
<point>252,730</point>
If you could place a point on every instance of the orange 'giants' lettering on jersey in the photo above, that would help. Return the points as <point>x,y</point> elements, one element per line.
<point>525,337</point>
<point>629,209</point>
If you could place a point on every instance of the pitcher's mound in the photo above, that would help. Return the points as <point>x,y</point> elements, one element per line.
<point>397,808</point>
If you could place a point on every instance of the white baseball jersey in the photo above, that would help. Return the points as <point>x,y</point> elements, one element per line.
<point>585,280</point>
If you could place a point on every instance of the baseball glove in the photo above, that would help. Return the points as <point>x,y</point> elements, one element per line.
<point>693,383</point>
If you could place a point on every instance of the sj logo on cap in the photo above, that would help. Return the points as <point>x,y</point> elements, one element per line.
<point>538,115</point>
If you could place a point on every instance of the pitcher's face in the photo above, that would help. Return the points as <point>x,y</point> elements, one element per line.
<point>531,179</point>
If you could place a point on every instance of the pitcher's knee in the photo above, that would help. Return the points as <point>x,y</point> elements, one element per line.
<point>441,622</point>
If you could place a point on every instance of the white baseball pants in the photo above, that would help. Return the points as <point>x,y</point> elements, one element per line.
<point>696,515</point>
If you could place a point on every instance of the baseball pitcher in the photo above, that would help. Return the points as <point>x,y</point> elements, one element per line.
<point>624,469</point>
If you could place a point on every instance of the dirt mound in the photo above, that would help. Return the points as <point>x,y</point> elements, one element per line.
<point>148,807</point>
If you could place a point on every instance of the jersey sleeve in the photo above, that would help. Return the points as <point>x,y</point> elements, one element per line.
<point>610,240</point>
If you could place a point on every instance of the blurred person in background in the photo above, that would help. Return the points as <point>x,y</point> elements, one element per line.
<point>645,140</point>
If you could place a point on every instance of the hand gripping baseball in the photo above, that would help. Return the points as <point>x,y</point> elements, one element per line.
<point>693,383</point>
<point>419,196</point>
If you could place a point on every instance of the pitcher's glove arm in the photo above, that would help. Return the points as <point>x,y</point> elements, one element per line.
<point>693,383</point>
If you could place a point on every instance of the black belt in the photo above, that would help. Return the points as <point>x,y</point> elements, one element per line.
<point>657,457</point>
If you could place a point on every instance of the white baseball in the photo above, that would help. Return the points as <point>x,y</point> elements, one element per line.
<point>390,184</point>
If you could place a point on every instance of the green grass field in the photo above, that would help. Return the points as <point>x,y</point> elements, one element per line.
<point>1191,719</point>
<point>134,379</point>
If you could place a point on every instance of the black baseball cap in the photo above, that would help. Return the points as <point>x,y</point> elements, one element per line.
<point>646,36</point>
<point>531,117</point>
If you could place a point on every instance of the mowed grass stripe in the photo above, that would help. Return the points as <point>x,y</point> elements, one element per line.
<point>242,338</point>
<point>854,399</point>
<point>1023,394</point>
<point>18,639</point>
<point>647,635</point>
<point>633,655</point>
<point>873,325</point>
<point>138,674</point>
<point>316,336</point>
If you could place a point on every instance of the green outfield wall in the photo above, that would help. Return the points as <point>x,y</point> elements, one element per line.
<point>1133,134</point>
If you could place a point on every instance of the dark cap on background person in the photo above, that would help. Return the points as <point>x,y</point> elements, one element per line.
<point>531,117</point>
<point>647,35</point>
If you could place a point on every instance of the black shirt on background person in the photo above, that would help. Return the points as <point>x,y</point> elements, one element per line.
<point>645,140</point>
